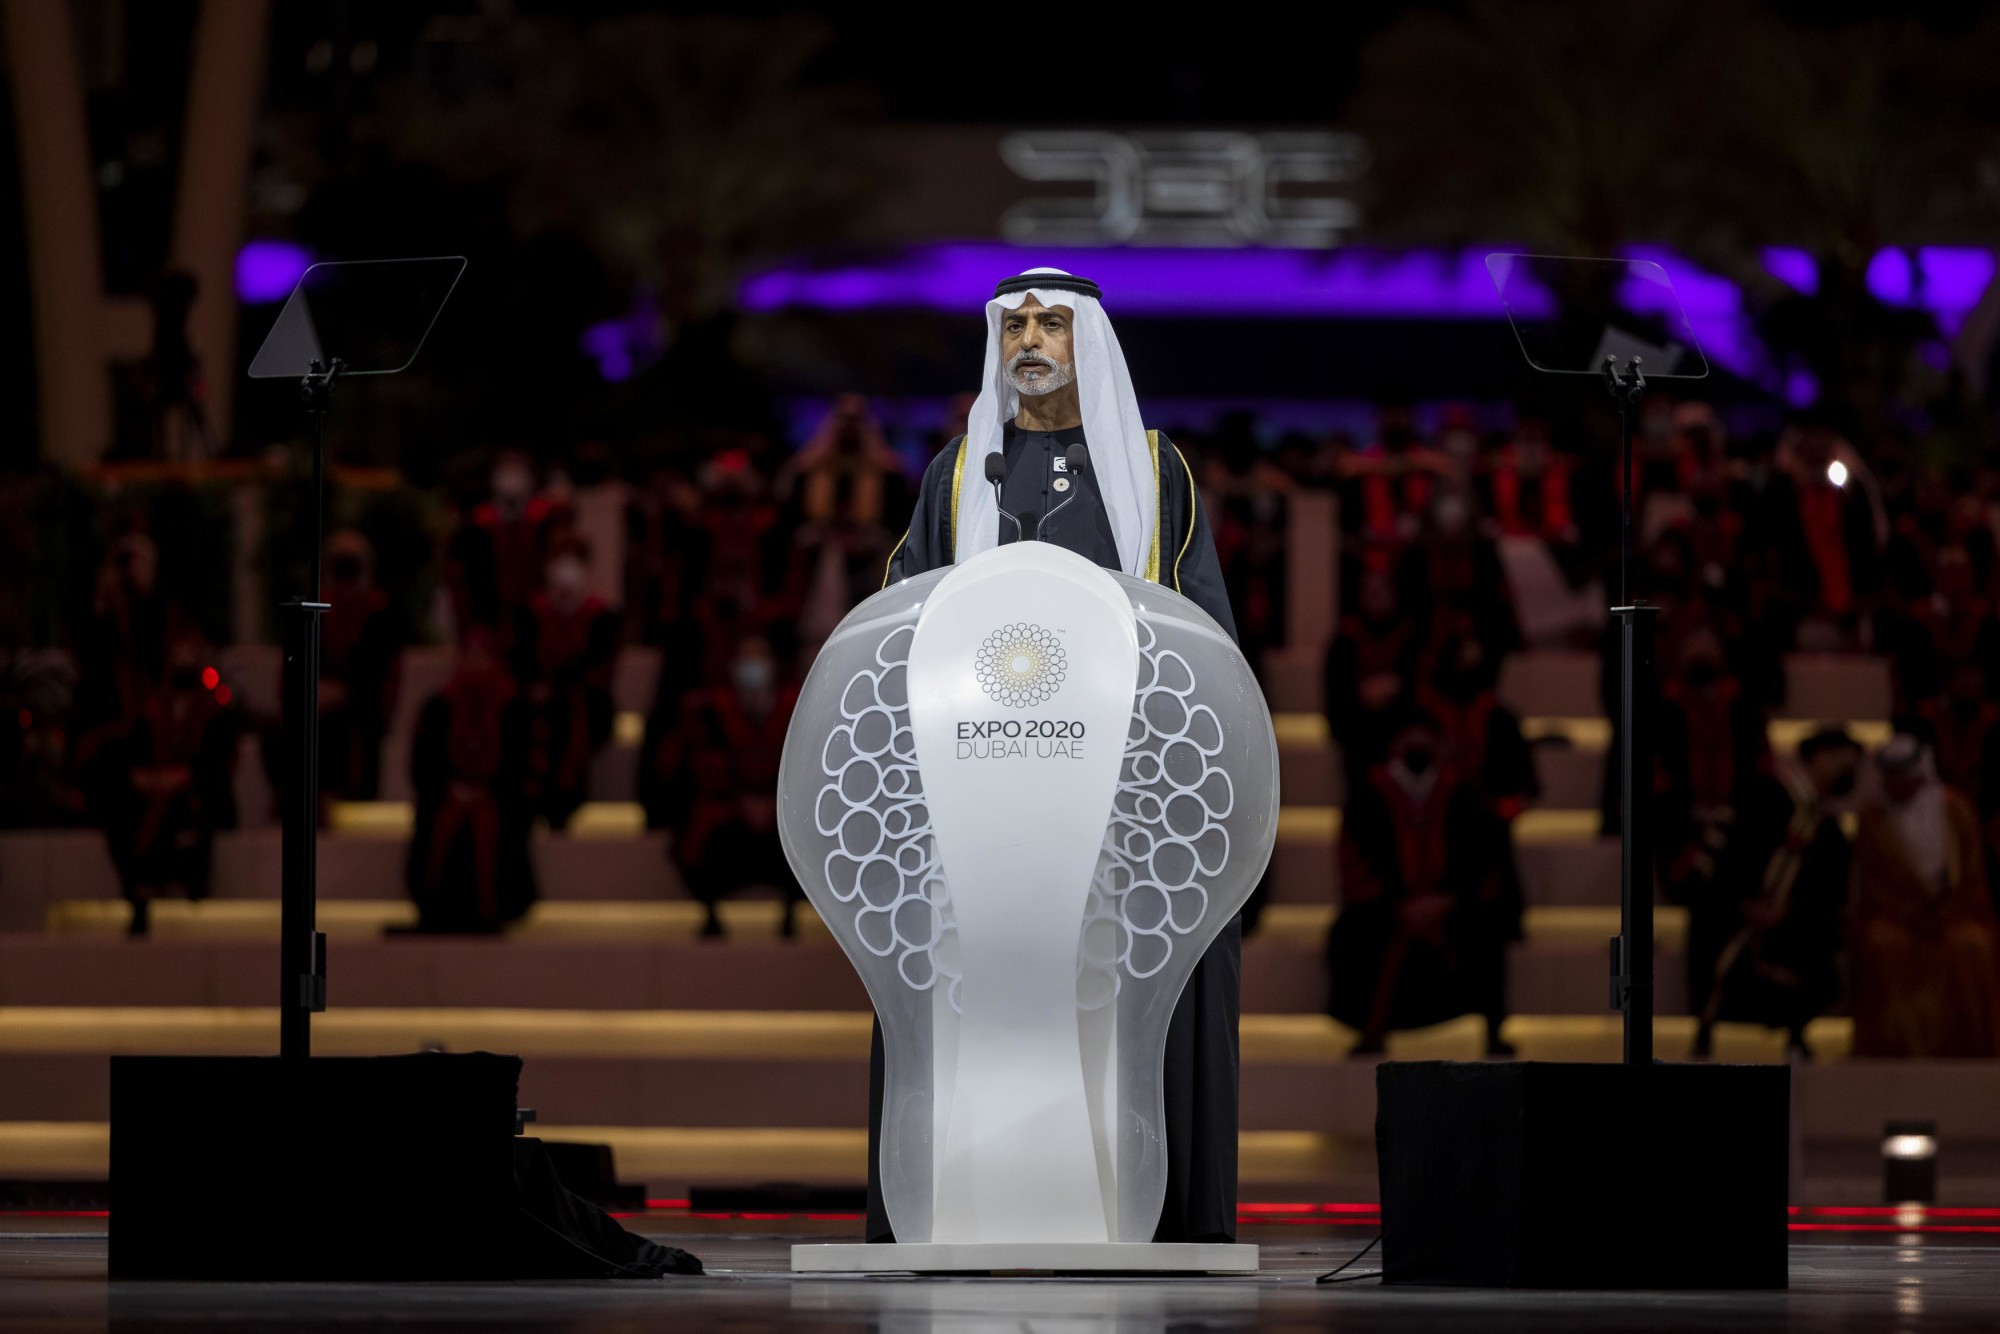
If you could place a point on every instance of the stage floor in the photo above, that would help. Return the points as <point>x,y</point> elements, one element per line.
<point>52,1277</point>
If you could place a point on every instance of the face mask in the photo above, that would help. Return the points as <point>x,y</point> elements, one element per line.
<point>1418,760</point>
<point>347,569</point>
<point>1843,786</point>
<point>751,674</point>
<point>1701,675</point>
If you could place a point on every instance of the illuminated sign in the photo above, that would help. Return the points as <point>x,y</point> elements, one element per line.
<point>1191,188</point>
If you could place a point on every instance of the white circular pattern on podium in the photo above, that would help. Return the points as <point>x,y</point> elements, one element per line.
<point>1021,665</point>
<point>1165,839</point>
<point>1166,835</point>
<point>884,861</point>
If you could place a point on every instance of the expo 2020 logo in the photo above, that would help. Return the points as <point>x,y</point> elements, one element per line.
<point>1021,665</point>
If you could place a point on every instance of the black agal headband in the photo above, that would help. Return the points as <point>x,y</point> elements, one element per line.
<point>1055,282</point>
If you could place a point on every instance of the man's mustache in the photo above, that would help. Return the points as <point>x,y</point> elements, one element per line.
<point>1025,358</point>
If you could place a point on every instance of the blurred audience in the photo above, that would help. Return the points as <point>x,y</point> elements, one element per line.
<point>1464,538</point>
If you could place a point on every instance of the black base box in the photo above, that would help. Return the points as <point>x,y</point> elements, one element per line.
<point>331,1168</point>
<point>1532,1174</point>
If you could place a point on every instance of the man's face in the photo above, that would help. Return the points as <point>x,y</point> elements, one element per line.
<point>1035,347</point>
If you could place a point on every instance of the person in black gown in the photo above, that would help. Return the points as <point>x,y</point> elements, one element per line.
<point>1056,378</point>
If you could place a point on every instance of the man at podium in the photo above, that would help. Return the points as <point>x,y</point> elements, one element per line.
<point>1055,379</point>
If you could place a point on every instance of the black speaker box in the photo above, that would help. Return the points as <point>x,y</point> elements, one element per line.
<point>345,1168</point>
<point>1538,1175</point>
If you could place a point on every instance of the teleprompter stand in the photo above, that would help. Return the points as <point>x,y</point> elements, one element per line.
<point>1573,1175</point>
<point>381,1147</point>
<point>1638,700</point>
<point>301,944</point>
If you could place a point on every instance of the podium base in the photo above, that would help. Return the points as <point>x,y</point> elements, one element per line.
<point>1026,1257</point>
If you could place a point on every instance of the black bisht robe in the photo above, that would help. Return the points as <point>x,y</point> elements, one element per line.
<point>1200,1073</point>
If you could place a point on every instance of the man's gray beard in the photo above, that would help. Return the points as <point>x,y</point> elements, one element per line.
<point>1058,377</point>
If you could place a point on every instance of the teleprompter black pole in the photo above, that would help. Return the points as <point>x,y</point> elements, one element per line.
<point>1632,951</point>
<point>301,947</point>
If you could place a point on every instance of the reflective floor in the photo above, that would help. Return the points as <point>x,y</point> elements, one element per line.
<point>53,1279</point>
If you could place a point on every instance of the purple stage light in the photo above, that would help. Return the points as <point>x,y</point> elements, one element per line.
<point>1796,268</point>
<point>1350,283</point>
<point>1889,277</point>
<point>629,343</point>
<point>1161,282</point>
<point>267,271</point>
<point>1954,279</point>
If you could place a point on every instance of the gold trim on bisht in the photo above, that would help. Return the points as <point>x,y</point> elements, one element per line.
<point>1159,510</point>
<point>957,478</point>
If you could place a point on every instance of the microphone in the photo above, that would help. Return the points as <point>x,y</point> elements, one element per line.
<point>996,473</point>
<point>1078,458</point>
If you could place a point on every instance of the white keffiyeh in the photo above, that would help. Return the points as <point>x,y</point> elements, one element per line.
<point>1112,429</point>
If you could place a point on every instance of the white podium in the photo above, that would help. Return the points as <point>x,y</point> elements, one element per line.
<point>1025,793</point>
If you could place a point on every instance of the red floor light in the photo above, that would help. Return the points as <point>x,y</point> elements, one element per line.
<point>1918,1228</point>
<point>55,1213</point>
<point>1891,1211</point>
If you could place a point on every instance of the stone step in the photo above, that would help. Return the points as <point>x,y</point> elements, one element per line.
<point>610,856</point>
<point>39,867</point>
<point>1570,753</point>
<point>620,923</point>
<point>646,956</point>
<point>669,1159</point>
<point>744,1068</point>
<point>1566,682</point>
<point>786,1036</point>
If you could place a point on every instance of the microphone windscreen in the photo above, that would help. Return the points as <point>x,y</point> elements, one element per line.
<point>1079,457</point>
<point>996,467</point>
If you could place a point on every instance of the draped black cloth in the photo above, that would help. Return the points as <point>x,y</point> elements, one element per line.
<point>1200,1075</point>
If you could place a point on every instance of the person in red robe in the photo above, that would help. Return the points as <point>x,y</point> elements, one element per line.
<point>1371,669</point>
<point>470,868</point>
<point>358,672</point>
<point>122,648</point>
<point>160,782</point>
<point>721,770</point>
<point>1430,898</point>
<point>496,557</point>
<point>1836,554</point>
<point>565,647</point>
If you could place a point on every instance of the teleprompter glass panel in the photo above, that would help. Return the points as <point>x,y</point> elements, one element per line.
<point>1571,313</point>
<point>372,314</point>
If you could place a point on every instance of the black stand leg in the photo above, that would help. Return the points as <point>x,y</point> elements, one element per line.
<point>301,947</point>
<point>1638,701</point>
<point>302,951</point>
